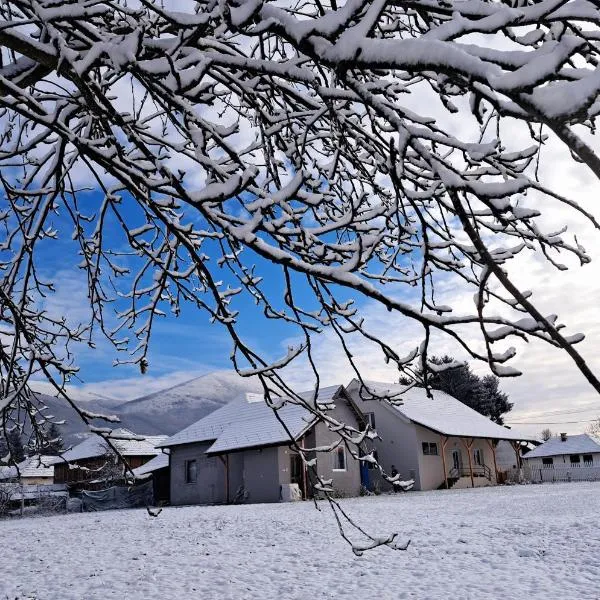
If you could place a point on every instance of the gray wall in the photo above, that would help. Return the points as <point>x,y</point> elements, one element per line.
<point>210,484</point>
<point>398,443</point>
<point>345,483</point>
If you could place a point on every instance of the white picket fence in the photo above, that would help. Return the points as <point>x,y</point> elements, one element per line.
<point>566,473</point>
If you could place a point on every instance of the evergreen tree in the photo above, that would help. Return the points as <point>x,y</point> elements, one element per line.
<point>15,445</point>
<point>479,393</point>
<point>55,442</point>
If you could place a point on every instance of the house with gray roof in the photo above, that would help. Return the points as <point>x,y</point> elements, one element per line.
<point>435,440</point>
<point>243,452</point>
<point>565,458</point>
<point>89,464</point>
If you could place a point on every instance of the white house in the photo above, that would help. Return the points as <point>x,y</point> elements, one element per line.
<point>437,441</point>
<point>565,458</point>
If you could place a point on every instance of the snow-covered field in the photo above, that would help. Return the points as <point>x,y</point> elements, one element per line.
<point>503,543</point>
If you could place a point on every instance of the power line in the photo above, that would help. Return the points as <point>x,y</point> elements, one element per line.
<point>569,412</point>
<point>549,422</point>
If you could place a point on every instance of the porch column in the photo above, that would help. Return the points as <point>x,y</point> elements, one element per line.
<point>444,441</point>
<point>517,447</point>
<point>491,443</point>
<point>468,446</point>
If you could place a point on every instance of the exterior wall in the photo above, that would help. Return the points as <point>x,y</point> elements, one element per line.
<point>37,480</point>
<point>209,487</point>
<point>431,467</point>
<point>346,482</point>
<point>398,443</point>
<point>563,461</point>
<point>505,456</point>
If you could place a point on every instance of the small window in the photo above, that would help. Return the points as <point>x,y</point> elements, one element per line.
<point>376,457</point>
<point>339,459</point>
<point>477,457</point>
<point>191,471</point>
<point>588,460</point>
<point>430,448</point>
<point>548,463</point>
<point>575,460</point>
<point>370,419</point>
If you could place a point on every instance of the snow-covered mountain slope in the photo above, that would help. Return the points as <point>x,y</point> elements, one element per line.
<point>170,410</point>
<point>163,412</point>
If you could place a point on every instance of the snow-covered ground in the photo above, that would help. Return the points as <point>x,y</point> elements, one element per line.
<point>516,542</point>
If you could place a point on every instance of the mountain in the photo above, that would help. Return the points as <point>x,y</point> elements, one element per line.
<point>170,410</point>
<point>163,412</point>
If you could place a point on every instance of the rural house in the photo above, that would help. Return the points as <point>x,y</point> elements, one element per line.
<point>438,442</point>
<point>34,470</point>
<point>157,470</point>
<point>565,458</point>
<point>92,462</point>
<point>242,453</point>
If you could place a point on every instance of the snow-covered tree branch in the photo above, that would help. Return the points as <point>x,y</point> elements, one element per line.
<point>368,149</point>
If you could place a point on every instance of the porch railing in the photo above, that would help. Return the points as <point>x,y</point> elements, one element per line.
<point>478,471</point>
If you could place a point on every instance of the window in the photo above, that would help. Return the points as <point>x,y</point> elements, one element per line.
<point>376,457</point>
<point>548,463</point>
<point>575,460</point>
<point>477,457</point>
<point>430,448</point>
<point>370,419</point>
<point>191,471</point>
<point>339,459</point>
<point>588,460</point>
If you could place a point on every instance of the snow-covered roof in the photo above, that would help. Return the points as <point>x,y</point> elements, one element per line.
<point>574,444</point>
<point>246,423</point>
<point>445,414</point>
<point>34,466</point>
<point>95,445</point>
<point>160,461</point>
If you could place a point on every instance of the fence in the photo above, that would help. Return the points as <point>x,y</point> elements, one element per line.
<point>17,499</point>
<point>567,473</point>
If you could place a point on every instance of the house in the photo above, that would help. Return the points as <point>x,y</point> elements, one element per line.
<point>92,462</point>
<point>565,458</point>
<point>437,441</point>
<point>243,453</point>
<point>34,470</point>
<point>156,469</point>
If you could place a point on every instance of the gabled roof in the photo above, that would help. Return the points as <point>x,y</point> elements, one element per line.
<point>34,466</point>
<point>443,413</point>
<point>574,444</point>
<point>160,461</point>
<point>95,446</point>
<point>250,422</point>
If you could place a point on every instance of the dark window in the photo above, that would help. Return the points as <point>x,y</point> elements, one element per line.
<point>547,462</point>
<point>588,460</point>
<point>477,457</point>
<point>339,459</point>
<point>370,419</point>
<point>191,471</point>
<point>575,460</point>
<point>430,448</point>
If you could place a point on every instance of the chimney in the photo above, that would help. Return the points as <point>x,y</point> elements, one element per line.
<point>563,437</point>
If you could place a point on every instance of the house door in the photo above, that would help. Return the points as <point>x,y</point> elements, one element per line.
<point>296,467</point>
<point>456,459</point>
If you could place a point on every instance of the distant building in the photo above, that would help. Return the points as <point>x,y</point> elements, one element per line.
<point>243,453</point>
<point>35,470</point>
<point>565,458</point>
<point>92,462</point>
<point>157,470</point>
<point>437,441</point>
